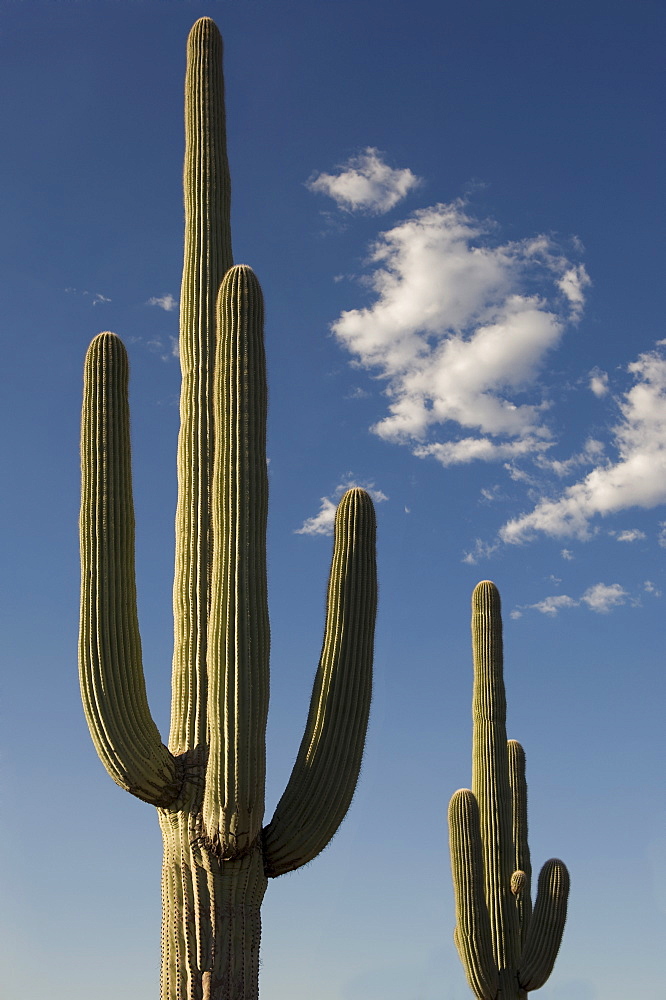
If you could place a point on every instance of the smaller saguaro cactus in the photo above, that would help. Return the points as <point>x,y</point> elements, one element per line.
<point>507,949</point>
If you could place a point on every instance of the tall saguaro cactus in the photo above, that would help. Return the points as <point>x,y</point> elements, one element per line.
<point>208,784</point>
<point>506,948</point>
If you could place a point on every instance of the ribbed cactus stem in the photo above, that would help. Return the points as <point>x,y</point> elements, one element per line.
<point>473,937</point>
<point>490,771</point>
<point>520,886</point>
<point>239,637</point>
<point>322,782</point>
<point>506,949</point>
<point>110,668</point>
<point>207,258</point>
<point>209,786</point>
<point>547,925</point>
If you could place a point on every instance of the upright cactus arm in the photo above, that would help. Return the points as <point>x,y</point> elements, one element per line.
<point>472,935</point>
<point>238,641</point>
<point>110,670</point>
<point>490,772</point>
<point>324,776</point>
<point>206,260</point>
<point>522,876</point>
<point>546,927</point>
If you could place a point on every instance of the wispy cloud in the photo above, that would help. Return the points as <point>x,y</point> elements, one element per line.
<point>166,302</point>
<point>636,479</point>
<point>323,522</point>
<point>459,330</point>
<point>365,183</point>
<point>97,297</point>
<point>601,598</point>
<point>630,535</point>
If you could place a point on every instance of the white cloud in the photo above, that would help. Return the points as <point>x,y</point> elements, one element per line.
<point>567,554</point>
<point>602,597</point>
<point>630,535</point>
<point>459,330</point>
<point>365,184</point>
<point>553,605</point>
<point>166,302</point>
<point>599,382</point>
<point>99,298</point>
<point>323,522</point>
<point>636,479</point>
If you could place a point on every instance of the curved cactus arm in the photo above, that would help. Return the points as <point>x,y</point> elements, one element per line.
<point>324,776</point>
<point>522,863</point>
<point>207,258</point>
<point>472,934</point>
<point>546,927</point>
<point>238,639</point>
<point>110,670</point>
<point>490,772</point>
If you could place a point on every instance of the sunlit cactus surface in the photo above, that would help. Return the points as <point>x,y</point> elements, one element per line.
<point>208,781</point>
<point>507,948</point>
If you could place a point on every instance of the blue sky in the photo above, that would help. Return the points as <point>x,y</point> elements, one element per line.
<point>455,211</point>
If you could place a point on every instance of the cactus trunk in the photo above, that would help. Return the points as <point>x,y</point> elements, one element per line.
<point>208,784</point>
<point>506,949</point>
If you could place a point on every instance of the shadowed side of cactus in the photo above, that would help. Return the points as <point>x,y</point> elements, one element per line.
<point>208,784</point>
<point>507,949</point>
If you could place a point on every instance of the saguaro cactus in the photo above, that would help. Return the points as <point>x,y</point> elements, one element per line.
<point>208,784</point>
<point>507,950</point>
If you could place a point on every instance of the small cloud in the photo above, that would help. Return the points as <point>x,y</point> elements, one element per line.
<point>661,537</point>
<point>516,613</point>
<point>323,522</point>
<point>553,605</point>
<point>567,554</point>
<point>357,393</point>
<point>599,382</point>
<point>365,184</point>
<point>650,588</point>
<point>99,298</point>
<point>481,550</point>
<point>572,284</point>
<point>602,597</point>
<point>166,302</point>
<point>630,535</point>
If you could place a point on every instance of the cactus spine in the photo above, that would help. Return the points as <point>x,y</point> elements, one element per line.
<point>507,950</point>
<point>208,784</point>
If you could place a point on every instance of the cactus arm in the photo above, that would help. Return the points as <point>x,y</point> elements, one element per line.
<point>238,642</point>
<point>207,258</point>
<point>472,934</point>
<point>324,776</point>
<point>110,670</point>
<point>545,933</point>
<point>521,860</point>
<point>490,772</point>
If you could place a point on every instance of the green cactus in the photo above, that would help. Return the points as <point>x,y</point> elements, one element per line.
<point>507,950</point>
<point>208,784</point>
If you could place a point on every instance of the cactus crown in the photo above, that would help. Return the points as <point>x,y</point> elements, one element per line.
<point>209,782</point>
<point>506,948</point>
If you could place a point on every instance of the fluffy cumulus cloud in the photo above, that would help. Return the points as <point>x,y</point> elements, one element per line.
<point>637,478</point>
<point>365,183</point>
<point>459,330</point>
<point>323,522</point>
